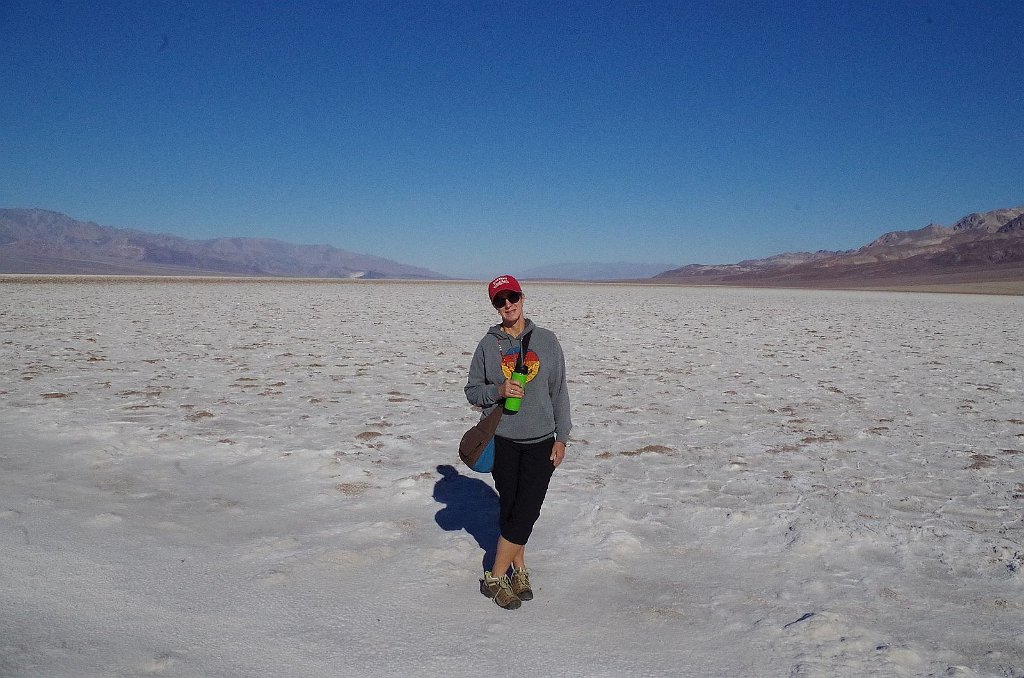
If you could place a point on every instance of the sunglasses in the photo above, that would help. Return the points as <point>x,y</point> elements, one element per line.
<point>499,301</point>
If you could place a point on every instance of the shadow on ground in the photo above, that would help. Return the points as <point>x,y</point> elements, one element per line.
<point>470,505</point>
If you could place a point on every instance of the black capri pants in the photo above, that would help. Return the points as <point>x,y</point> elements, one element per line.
<point>521,474</point>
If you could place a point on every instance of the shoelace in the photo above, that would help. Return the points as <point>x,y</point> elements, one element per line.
<point>501,581</point>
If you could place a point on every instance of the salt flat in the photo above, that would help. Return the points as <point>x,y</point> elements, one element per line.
<point>260,479</point>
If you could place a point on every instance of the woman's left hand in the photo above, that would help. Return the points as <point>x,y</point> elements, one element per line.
<point>557,453</point>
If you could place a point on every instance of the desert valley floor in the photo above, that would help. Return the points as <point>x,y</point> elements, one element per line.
<point>261,479</point>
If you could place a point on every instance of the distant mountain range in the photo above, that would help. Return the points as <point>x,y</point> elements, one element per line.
<point>594,271</point>
<point>987,246</point>
<point>40,241</point>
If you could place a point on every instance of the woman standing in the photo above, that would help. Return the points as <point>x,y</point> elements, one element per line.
<point>528,444</point>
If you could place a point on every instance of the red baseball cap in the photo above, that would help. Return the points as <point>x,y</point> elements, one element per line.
<point>503,283</point>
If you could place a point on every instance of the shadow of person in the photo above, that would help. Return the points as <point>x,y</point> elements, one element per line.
<point>470,505</point>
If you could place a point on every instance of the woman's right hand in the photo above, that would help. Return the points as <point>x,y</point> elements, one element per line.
<point>510,389</point>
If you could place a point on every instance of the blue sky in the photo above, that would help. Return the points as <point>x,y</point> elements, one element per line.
<point>472,138</point>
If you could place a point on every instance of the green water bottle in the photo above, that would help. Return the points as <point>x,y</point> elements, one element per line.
<point>519,376</point>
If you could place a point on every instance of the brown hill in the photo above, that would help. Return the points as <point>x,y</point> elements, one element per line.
<point>40,241</point>
<point>1013,226</point>
<point>980,247</point>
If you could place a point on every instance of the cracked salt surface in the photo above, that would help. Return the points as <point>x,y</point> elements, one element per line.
<point>258,478</point>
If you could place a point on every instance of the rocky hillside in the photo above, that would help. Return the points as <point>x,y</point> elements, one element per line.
<point>981,246</point>
<point>40,241</point>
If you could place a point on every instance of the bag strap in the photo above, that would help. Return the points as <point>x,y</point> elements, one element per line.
<point>490,422</point>
<point>524,345</point>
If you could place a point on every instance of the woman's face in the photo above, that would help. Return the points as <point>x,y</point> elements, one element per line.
<point>510,312</point>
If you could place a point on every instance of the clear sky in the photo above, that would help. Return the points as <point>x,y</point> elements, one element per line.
<point>471,138</point>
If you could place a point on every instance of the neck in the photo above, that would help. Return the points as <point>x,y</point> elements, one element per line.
<point>516,328</point>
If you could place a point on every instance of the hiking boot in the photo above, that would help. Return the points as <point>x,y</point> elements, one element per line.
<point>500,589</point>
<point>520,581</point>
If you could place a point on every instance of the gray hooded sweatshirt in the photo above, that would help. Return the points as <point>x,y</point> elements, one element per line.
<point>545,408</point>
